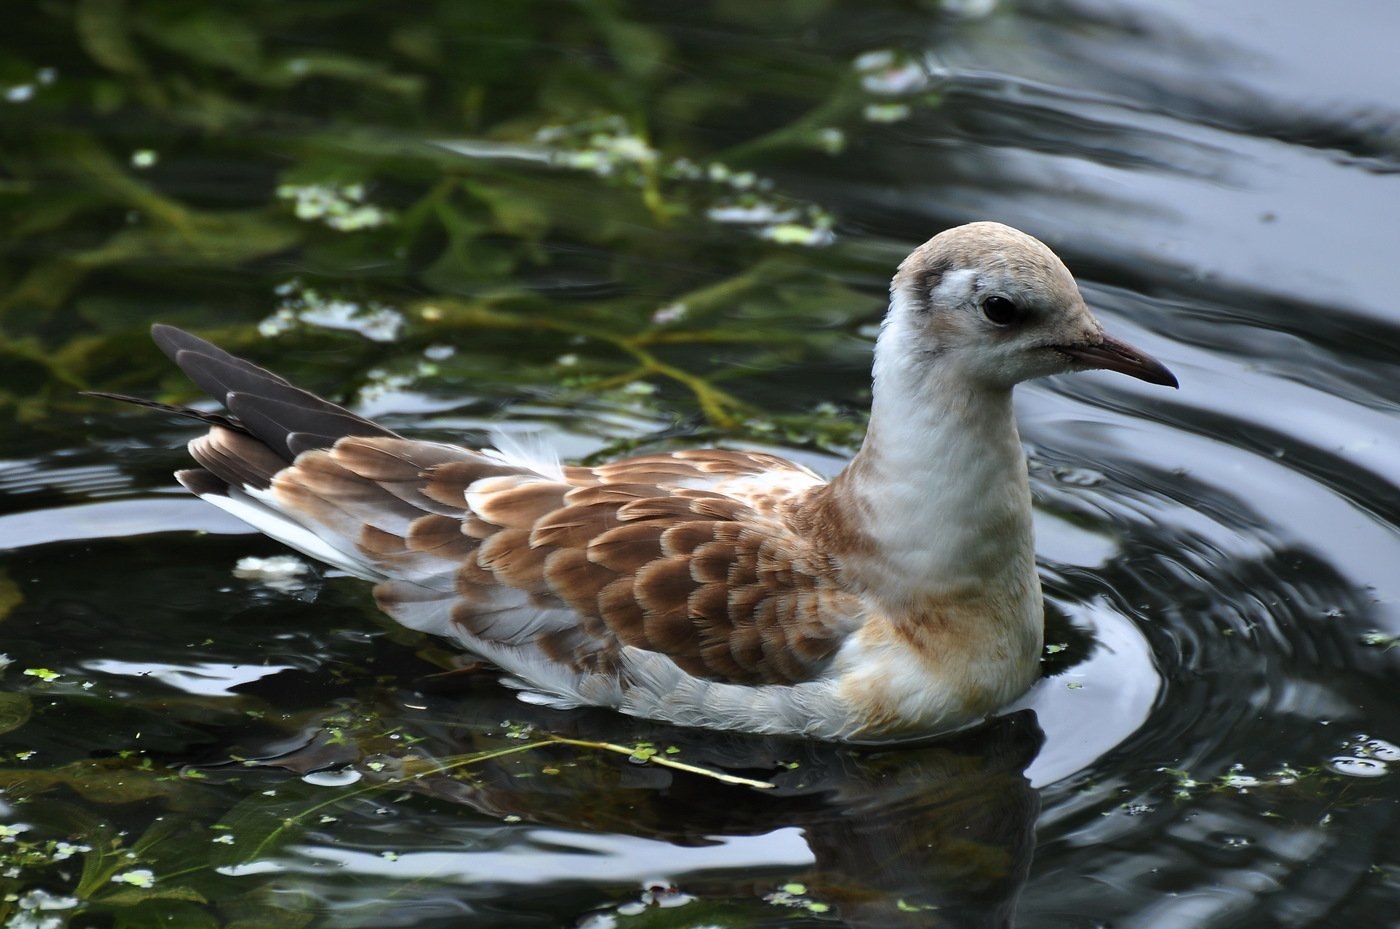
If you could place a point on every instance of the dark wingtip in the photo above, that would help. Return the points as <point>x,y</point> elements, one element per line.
<point>263,404</point>
<point>166,338</point>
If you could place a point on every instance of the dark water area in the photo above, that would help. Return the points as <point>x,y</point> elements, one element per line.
<point>610,226</point>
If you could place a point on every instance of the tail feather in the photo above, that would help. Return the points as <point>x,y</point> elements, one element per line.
<point>204,416</point>
<point>269,424</point>
<point>266,405</point>
<point>236,458</point>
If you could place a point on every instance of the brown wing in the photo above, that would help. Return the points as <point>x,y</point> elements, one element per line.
<point>683,554</point>
<point>622,555</point>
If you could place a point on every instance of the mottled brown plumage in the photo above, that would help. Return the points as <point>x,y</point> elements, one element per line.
<point>644,557</point>
<point>710,587</point>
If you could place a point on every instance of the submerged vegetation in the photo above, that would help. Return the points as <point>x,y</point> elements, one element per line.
<point>637,223</point>
<point>570,201</point>
<point>517,197</point>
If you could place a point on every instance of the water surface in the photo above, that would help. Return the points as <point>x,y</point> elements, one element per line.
<point>623,226</point>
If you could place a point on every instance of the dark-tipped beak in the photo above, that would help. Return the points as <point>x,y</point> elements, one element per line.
<point>1109,354</point>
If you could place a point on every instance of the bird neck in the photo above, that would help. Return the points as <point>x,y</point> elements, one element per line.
<point>935,507</point>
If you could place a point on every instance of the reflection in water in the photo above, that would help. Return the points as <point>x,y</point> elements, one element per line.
<point>893,836</point>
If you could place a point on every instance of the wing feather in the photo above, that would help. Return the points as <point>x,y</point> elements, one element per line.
<point>559,574</point>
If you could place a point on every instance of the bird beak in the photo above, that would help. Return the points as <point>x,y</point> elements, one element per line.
<point>1109,354</point>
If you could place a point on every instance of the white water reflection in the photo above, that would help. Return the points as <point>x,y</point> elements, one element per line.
<point>1088,710</point>
<point>205,678</point>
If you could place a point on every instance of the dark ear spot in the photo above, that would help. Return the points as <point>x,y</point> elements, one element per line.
<point>925,282</point>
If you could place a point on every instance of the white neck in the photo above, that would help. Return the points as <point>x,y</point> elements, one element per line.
<point>940,485</point>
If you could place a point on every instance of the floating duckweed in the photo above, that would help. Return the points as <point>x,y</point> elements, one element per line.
<point>1380,639</point>
<point>794,895</point>
<point>339,207</point>
<point>1369,757</point>
<point>1185,783</point>
<point>225,839</point>
<point>604,152</point>
<point>1352,766</point>
<point>144,158</point>
<point>890,73</point>
<point>43,674</point>
<point>1378,748</point>
<point>40,899</point>
<point>306,305</point>
<point>62,851</point>
<point>751,212</point>
<point>671,313</point>
<point>1054,648</point>
<point>831,140</point>
<point>141,877</point>
<point>656,893</point>
<point>1238,779</point>
<point>381,383</point>
<point>797,234</point>
<point>887,112</point>
<point>517,730</point>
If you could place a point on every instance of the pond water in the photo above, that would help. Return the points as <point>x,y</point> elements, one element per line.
<point>608,226</point>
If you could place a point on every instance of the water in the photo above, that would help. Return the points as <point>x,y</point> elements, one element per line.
<point>1214,743</point>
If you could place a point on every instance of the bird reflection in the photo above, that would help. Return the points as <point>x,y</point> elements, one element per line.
<point>939,833</point>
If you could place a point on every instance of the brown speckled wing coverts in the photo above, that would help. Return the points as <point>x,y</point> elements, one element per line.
<point>626,554</point>
<point>685,554</point>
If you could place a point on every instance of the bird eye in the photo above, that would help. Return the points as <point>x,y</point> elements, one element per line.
<point>1000,310</point>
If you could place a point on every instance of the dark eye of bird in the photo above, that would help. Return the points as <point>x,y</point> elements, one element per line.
<point>1001,311</point>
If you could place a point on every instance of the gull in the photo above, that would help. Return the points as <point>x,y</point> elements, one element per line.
<point>708,587</point>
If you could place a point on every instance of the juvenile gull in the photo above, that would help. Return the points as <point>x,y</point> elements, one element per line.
<point>724,589</point>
